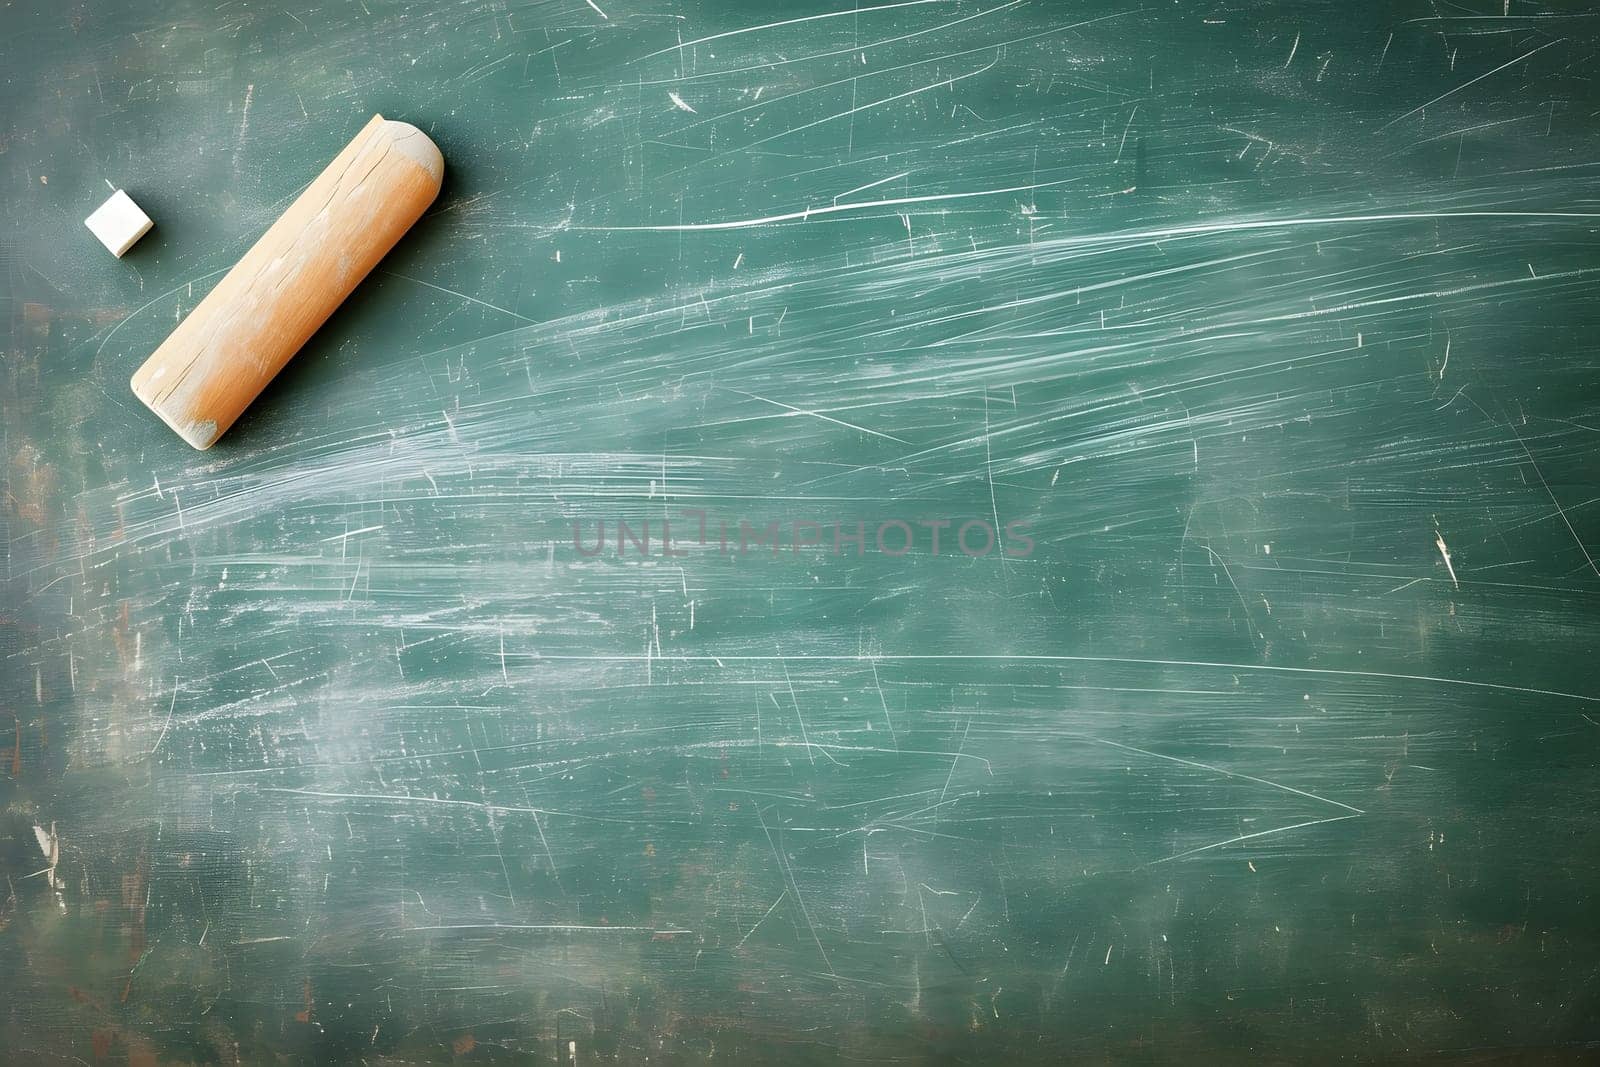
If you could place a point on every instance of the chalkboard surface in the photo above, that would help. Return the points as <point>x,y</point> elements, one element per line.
<point>556,665</point>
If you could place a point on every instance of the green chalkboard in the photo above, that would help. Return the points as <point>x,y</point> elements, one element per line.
<point>556,665</point>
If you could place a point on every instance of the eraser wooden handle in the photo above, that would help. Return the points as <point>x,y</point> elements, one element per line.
<point>240,336</point>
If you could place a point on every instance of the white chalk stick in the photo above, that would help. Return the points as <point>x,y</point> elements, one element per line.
<point>118,223</point>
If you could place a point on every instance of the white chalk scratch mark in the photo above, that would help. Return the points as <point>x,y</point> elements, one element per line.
<point>1407,585</point>
<point>786,22</point>
<point>1438,540</point>
<point>815,212</point>
<point>349,534</point>
<point>872,185</point>
<point>955,761</point>
<point>795,700</point>
<point>1249,622</point>
<point>463,296</point>
<point>1125,130</point>
<point>560,928</point>
<point>244,121</point>
<point>757,926</point>
<point>783,862</point>
<point>1250,837</point>
<point>548,855</point>
<point>820,415</point>
<point>988,470</point>
<point>1551,494</point>
<point>167,725</point>
<point>1019,657</point>
<point>1228,773</point>
<point>1469,84</point>
<point>49,844</point>
<point>877,684</point>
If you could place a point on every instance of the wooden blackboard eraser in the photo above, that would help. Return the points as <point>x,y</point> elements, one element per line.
<point>242,334</point>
